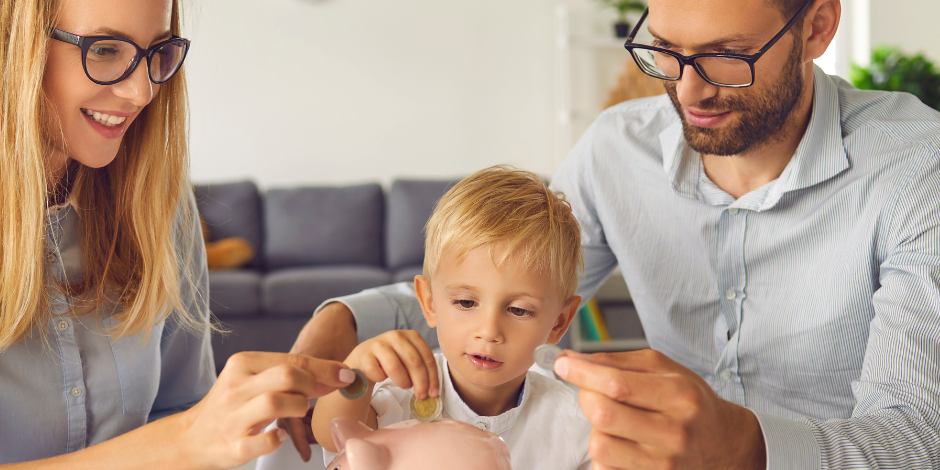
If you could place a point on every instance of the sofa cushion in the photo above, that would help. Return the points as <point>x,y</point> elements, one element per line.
<point>407,273</point>
<point>324,226</point>
<point>232,210</point>
<point>410,204</point>
<point>235,293</point>
<point>299,291</point>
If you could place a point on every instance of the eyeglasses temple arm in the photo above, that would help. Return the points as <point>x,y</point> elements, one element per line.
<point>636,29</point>
<point>65,36</point>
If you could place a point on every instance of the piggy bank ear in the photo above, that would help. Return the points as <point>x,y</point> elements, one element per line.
<point>364,455</point>
<point>343,429</point>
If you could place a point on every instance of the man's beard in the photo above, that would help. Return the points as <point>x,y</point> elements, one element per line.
<point>762,118</point>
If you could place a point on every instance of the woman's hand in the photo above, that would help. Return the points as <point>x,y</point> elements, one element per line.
<point>224,430</point>
<point>401,355</point>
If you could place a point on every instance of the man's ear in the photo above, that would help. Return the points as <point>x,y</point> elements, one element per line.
<point>423,291</point>
<point>564,319</point>
<point>819,27</point>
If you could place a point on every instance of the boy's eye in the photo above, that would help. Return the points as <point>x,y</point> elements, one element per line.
<point>520,312</point>
<point>464,303</point>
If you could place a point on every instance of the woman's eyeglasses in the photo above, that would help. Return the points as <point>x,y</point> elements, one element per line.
<point>108,59</point>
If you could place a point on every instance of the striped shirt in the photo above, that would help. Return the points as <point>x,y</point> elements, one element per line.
<point>813,300</point>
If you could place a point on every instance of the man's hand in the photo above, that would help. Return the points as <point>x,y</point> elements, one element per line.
<point>647,411</point>
<point>330,334</point>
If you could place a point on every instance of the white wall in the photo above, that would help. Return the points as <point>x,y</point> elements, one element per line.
<point>913,25</point>
<point>290,92</point>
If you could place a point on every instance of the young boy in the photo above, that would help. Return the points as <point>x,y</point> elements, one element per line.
<point>502,254</point>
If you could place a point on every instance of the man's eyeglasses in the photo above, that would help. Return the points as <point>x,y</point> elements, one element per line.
<point>728,70</point>
<point>108,59</point>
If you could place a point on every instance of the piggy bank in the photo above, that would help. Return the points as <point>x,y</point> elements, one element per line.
<point>413,445</point>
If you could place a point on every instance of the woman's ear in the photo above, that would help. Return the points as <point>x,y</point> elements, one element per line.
<point>423,291</point>
<point>564,319</point>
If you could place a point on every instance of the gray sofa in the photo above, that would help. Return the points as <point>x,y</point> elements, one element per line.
<point>311,243</point>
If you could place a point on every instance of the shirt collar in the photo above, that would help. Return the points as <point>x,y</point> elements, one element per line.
<point>459,410</point>
<point>820,156</point>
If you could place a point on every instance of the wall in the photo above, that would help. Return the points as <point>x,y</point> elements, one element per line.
<point>291,92</point>
<point>909,24</point>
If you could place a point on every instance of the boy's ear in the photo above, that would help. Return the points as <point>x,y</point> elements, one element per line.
<point>423,291</point>
<point>564,319</point>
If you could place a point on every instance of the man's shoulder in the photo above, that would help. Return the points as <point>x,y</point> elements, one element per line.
<point>895,119</point>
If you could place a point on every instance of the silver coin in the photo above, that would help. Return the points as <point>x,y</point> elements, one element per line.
<point>357,388</point>
<point>546,354</point>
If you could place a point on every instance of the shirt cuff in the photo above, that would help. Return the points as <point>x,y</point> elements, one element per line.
<point>373,313</point>
<point>789,443</point>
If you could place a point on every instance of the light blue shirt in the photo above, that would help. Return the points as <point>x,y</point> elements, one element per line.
<point>73,387</point>
<point>813,300</point>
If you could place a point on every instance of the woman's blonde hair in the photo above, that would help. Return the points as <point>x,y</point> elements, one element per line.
<point>129,211</point>
<point>512,210</point>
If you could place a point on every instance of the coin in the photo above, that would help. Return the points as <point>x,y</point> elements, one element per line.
<point>546,354</point>
<point>426,410</point>
<point>357,388</point>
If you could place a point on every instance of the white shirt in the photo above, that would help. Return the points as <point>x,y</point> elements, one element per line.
<point>546,431</point>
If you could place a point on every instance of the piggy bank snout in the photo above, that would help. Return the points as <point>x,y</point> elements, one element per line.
<point>367,455</point>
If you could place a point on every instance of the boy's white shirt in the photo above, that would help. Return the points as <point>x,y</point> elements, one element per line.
<point>547,431</point>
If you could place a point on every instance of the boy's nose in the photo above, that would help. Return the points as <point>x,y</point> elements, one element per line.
<point>488,329</point>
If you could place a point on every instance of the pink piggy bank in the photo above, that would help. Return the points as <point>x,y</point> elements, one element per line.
<point>413,445</point>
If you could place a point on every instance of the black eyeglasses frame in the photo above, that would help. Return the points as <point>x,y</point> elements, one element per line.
<point>691,60</point>
<point>84,43</point>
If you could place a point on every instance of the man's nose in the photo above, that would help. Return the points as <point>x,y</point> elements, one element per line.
<point>692,88</point>
<point>488,328</point>
<point>137,88</point>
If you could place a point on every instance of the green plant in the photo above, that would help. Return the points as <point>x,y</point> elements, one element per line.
<point>892,70</point>
<point>625,6</point>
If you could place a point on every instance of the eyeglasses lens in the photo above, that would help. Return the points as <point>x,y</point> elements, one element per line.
<point>167,60</point>
<point>107,60</point>
<point>720,70</point>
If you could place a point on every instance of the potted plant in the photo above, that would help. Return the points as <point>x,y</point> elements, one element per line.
<point>892,70</point>
<point>622,27</point>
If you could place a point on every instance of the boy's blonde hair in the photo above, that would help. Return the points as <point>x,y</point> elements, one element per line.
<point>515,210</point>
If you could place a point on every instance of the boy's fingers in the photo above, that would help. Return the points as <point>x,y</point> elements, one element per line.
<point>417,370</point>
<point>393,366</point>
<point>430,366</point>
<point>370,366</point>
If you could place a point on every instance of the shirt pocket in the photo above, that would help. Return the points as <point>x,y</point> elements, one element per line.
<point>138,370</point>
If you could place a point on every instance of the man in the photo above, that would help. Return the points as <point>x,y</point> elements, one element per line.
<point>780,234</point>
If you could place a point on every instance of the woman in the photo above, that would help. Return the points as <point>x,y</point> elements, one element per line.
<point>105,358</point>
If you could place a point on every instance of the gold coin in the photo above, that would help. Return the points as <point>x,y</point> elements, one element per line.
<point>426,410</point>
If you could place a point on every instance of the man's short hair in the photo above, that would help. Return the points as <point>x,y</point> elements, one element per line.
<point>788,9</point>
<point>513,211</point>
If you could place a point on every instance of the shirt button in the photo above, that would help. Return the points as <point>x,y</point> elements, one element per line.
<point>50,257</point>
<point>76,392</point>
<point>480,426</point>
<point>729,294</point>
<point>733,211</point>
<point>63,325</point>
<point>726,375</point>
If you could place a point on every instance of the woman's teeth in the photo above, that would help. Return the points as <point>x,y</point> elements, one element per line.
<point>105,119</point>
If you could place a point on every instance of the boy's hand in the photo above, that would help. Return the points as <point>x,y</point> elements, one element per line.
<point>401,355</point>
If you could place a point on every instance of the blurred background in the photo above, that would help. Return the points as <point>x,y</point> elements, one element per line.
<point>288,92</point>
